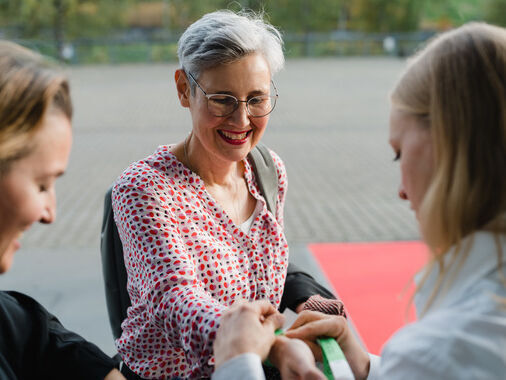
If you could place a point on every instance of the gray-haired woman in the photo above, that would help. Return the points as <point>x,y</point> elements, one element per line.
<point>196,231</point>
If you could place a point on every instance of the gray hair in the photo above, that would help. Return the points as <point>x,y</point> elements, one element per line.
<point>224,36</point>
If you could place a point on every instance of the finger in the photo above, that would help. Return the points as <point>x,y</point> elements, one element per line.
<point>274,321</point>
<point>314,374</point>
<point>331,327</point>
<point>315,349</point>
<point>307,316</point>
<point>263,307</point>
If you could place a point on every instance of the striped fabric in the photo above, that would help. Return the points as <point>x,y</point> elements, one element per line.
<point>325,305</point>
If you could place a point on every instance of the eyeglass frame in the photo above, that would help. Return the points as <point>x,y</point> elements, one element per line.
<point>237,101</point>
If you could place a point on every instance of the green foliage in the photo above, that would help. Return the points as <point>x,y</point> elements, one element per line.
<point>81,18</point>
<point>385,15</point>
<point>495,11</point>
<point>447,13</point>
<point>163,53</point>
<point>304,15</point>
<point>92,18</point>
<point>79,21</point>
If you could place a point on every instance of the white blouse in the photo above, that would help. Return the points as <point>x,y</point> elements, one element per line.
<point>463,333</point>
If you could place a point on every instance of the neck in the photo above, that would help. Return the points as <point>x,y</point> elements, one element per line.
<point>213,170</point>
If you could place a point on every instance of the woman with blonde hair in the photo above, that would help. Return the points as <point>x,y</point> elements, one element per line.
<point>448,131</point>
<point>35,141</point>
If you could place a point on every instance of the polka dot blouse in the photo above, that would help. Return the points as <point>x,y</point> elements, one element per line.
<point>187,262</point>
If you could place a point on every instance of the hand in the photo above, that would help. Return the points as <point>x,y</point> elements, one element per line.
<point>300,307</point>
<point>114,375</point>
<point>246,327</point>
<point>294,360</point>
<point>311,325</point>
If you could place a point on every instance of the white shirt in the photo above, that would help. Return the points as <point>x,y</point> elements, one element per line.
<point>246,225</point>
<point>463,333</point>
<point>242,367</point>
<point>461,336</point>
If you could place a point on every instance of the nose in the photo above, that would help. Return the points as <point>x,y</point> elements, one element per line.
<point>49,212</point>
<point>240,116</point>
<point>402,193</point>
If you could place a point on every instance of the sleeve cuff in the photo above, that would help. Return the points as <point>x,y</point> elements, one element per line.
<point>374,367</point>
<point>245,367</point>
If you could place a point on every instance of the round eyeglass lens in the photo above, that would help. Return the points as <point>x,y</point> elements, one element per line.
<point>261,105</point>
<point>221,105</point>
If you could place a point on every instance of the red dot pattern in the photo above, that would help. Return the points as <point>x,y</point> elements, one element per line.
<point>187,262</point>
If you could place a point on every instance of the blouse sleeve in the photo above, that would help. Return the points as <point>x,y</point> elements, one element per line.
<point>162,277</point>
<point>282,187</point>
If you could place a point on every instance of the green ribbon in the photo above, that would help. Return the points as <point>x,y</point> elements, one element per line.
<point>332,353</point>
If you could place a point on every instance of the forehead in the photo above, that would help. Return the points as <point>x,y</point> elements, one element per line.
<point>248,72</point>
<point>51,144</point>
<point>401,122</point>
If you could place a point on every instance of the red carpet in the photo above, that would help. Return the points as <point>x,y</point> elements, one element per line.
<point>374,280</point>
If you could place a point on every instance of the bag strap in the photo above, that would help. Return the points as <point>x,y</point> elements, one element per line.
<point>265,174</point>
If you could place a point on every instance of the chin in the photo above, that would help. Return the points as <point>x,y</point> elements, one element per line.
<point>6,258</point>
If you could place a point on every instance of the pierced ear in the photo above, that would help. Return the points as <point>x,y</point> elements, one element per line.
<point>183,87</point>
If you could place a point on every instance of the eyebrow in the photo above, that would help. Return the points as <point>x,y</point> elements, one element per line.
<point>55,174</point>
<point>252,93</point>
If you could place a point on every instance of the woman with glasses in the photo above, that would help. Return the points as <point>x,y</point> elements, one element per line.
<point>196,231</point>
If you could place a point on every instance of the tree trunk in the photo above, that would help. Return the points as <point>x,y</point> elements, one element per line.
<point>59,16</point>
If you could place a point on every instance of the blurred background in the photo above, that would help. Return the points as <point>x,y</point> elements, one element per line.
<point>330,125</point>
<point>118,31</point>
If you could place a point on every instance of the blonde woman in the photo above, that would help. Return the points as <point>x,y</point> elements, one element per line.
<point>35,141</point>
<point>448,132</point>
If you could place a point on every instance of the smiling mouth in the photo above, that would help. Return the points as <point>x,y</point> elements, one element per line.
<point>235,138</point>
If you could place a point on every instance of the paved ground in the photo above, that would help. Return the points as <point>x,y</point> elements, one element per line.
<point>330,128</point>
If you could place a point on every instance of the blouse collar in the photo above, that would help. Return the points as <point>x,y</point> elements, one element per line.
<point>463,272</point>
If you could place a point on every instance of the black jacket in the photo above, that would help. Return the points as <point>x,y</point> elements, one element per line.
<point>35,345</point>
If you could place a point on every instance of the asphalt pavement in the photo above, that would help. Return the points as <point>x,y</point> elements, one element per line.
<point>330,127</point>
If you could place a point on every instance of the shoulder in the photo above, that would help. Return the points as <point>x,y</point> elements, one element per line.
<point>17,303</point>
<point>19,315</point>
<point>280,165</point>
<point>447,344</point>
<point>143,174</point>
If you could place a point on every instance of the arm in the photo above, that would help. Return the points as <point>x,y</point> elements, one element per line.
<point>40,347</point>
<point>299,285</point>
<point>246,336</point>
<point>246,327</point>
<point>243,340</point>
<point>176,311</point>
<point>310,325</point>
<point>294,359</point>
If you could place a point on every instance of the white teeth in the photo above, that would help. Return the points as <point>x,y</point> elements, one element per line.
<point>234,136</point>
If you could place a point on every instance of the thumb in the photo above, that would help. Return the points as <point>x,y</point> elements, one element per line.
<point>274,321</point>
<point>315,374</point>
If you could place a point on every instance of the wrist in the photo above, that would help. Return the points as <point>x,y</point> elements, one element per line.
<point>277,349</point>
<point>300,307</point>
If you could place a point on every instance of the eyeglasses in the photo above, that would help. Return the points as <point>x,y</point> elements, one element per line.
<point>222,105</point>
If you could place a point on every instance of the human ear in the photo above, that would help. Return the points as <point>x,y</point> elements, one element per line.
<point>183,87</point>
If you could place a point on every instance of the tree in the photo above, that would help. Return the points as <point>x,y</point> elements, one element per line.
<point>495,12</point>
<point>385,15</point>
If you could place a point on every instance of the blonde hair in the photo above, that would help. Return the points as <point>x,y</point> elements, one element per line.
<point>29,87</point>
<point>458,84</point>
